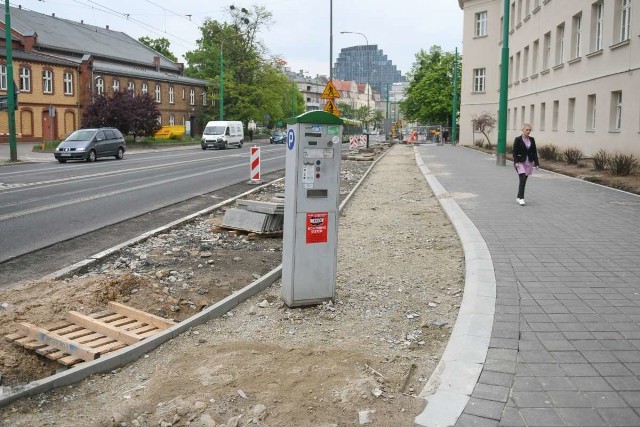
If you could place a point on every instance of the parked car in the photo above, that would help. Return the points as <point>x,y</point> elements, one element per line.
<point>278,138</point>
<point>89,144</point>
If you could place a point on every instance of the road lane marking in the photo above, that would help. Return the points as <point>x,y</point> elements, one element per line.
<point>26,212</point>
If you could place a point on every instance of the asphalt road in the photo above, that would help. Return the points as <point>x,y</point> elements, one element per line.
<point>51,214</point>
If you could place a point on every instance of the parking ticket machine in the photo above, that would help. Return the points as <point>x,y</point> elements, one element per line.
<point>312,190</point>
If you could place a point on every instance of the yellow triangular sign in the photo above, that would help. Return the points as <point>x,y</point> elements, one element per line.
<point>331,108</point>
<point>330,92</point>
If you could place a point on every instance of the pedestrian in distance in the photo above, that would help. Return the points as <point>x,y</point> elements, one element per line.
<point>445,136</point>
<point>525,158</point>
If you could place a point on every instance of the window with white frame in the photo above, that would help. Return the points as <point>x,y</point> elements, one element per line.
<point>47,81</point>
<point>622,13</point>
<point>508,117</point>
<point>131,86</point>
<point>158,93</point>
<point>555,115</point>
<point>534,56</point>
<point>527,8</point>
<point>571,114</point>
<point>543,115</point>
<point>192,97</point>
<point>144,88</point>
<point>515,118</point>
<point>519,11</point>
<point>67,80</point>
<point>591,112</point>
<point>525,62</point>
<point>479,79</point>
<point>160,119</point>
<point>522,115</point>
<point>3,76</point>
<point>172,120</point>
<point>597,25</point>
<point>510,71</point>
<point>546,54</point>
<point>560,44</point>
<point>518,66</point>
<point>171,96</point>
<point>576,36</point>
<point>204,98</point>
<point>116,85</point>
<point>99,85</point>
<point>616,110</point>
<point>513,16</point>
<point>25,79</point>
<point>183,94</point>
<point>532,114</point>
<point>481,23</point>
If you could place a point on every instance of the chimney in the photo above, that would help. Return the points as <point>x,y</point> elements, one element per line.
<point>156,62</point>
<point>107,27</point>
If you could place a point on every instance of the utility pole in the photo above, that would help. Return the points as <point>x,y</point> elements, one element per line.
<point>454,128</point>
<point>501,146</point>
<point>386,120</point>
<point>11,90</point>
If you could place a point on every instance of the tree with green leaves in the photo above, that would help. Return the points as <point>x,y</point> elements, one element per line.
<point>131,114</point>
<point>160,45</point>
<point>253,85</point>
<point>429,97</point>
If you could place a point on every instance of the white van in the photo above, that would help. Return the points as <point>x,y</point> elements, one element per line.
<point>222,134</point>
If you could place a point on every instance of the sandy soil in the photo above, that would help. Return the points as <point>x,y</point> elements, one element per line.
<point>361,360</point>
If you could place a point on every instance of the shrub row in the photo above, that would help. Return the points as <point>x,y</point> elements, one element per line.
<point>617,164</point>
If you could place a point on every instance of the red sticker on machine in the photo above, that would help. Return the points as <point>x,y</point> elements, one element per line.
<point>317,227</point>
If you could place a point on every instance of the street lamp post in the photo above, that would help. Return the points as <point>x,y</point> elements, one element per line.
<point>368,74</point>
<point>222,74</point>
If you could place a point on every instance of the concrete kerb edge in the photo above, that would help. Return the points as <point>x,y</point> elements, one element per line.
<point>67,271</point>
<point>131,353</point>
<point>438,390</point>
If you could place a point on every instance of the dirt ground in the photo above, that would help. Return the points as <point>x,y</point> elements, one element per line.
<point>361,360</point>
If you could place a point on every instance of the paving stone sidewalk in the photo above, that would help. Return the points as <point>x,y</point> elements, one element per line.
<point>565,344</point>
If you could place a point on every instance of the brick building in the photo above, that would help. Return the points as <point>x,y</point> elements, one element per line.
<point>58,66</point>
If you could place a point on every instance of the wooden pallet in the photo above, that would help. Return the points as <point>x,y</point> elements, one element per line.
<point>83,338</point>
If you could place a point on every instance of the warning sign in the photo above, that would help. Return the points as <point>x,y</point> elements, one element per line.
<point>317,227</point>
<point>330,92</point>
<point>331,108</point>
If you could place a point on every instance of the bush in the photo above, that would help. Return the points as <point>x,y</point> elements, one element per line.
<point>572,155</point>
<point>548,152</point>
<point>622,164</point>
<point>479,143</point>
<point>600,160</point>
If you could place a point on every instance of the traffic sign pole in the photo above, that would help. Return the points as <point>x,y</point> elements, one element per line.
<point>11,90</point>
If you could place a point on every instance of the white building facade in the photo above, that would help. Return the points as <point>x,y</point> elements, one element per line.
<point>574,71</point>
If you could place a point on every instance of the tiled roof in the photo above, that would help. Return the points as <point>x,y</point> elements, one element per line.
<point>78,38</point>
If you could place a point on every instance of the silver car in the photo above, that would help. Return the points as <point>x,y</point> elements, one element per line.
<point>89,144</point>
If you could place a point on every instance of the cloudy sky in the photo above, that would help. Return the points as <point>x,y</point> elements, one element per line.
<point>300,32</point>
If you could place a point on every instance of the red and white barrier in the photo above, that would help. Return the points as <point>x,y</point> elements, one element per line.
<point>363,140</point>
<point>353,143</point>
<point>255,164</point>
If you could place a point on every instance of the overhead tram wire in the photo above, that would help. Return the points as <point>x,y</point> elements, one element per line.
<point>113,12</point>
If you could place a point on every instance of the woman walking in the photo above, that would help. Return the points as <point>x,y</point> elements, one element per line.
<point>525,158</point>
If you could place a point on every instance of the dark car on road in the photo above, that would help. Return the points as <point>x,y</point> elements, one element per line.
<point>278,138</point>
<point>89,144</point>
